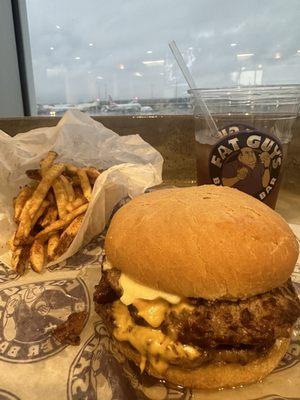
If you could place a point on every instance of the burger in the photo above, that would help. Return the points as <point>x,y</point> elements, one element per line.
<point>196,288</point>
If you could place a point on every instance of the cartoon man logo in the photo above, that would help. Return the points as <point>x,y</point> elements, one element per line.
<point>41,305</point>
<point>248,172</point>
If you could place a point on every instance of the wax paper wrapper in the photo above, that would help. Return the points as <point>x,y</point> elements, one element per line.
<point>131,166</point>
<point>35,366</point>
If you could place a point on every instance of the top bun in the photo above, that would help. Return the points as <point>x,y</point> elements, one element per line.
<point>210,241</point>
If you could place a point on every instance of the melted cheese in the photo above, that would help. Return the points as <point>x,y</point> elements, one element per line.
<point>151,344</point>
<point>153,312</point>
<point>182,306</point>
<point>106,265</point>
<point>133,290</point>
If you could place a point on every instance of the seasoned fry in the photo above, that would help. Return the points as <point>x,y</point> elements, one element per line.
<point>85,183</point>
<point>40,211</point>
<point>51,198</point>
<point>78,191</point>
<point>68,235</point>
<point>33,185</point>
<point>34,203</point>
<point>68,188</point>
<point>71,169</point>
<point>24,227</point>
<point>76,203</point>
<point>75,181</point>
<point>20,201</point>
<point>92,173</point>
<point>61,197</point>
<point>61,223</point>
<point>49,217</point>
<point>52,245</point>
<point>37,255</point>
<point>10,242</point>
<point>19,259</point>
<point>47,162</point>
<point>55,201</point>
<point>34,174</point>
<point>43,187</point>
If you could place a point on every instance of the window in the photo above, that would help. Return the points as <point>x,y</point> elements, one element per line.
<point>113,57</point>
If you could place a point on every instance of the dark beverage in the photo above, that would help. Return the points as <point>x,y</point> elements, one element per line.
<point>254,130</point>
<point>262,123</point>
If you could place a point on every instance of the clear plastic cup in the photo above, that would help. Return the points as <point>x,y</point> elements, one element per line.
<point>254,131</point>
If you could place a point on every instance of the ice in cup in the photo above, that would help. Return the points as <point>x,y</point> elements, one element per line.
<point>254,131</point>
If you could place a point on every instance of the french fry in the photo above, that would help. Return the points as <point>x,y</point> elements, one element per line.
<point>43,187</point>
<point>71,169</point>
<point>78,191</point>
<point>40,211</point>
<point>20,201</point>
<point>34,174</point>
<point>61,197</point>
<point>24,227</point>
<point>19,259</point>
<point>85,183</point>
<point>49,217</point>
<point>68,235</point>
<point>47,162</point>
<point>33,185</point>
<point>10,242</point>
<point>37,255</point>
<point>51,198</point>
<point>68,188</point>
<point>56,201</point>
<point>76,203</point>
<point>61,223</point>
<point>34,203</point>
<point>92,173</point>
<point>52,246</point>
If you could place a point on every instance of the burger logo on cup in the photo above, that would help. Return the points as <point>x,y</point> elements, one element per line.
<point>248,160</point>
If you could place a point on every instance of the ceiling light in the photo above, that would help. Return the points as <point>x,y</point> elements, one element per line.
<point>277,56</point>
<point>57,26</point>
<point>149,52</point>
<point>91,44</point>
<point>245,55</point>
<point>51,48</point>
<point>121,66</point>
<point>154,62</point>
<point>99,77</point>
<point>138,74</point>
<point>233,44</point>
<point>259,66</point>
<point>77,58</point>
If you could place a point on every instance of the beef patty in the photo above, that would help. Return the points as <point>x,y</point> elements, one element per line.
<point>255,322</point>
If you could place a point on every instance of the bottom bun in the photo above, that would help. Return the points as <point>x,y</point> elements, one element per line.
<point>214,376</point>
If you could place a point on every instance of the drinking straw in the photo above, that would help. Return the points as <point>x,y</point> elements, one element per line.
<point>188,77</point>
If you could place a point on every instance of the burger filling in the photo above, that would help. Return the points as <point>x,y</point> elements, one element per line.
<point>190,332</point>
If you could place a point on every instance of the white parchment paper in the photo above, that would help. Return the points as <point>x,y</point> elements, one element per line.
<point>131,166</point>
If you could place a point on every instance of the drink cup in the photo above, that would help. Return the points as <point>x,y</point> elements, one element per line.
<point>254,131</point>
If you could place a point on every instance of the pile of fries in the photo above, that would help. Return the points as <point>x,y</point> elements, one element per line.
<point>49,212</point>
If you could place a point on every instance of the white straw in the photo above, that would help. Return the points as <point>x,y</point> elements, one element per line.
<point>188,77</point>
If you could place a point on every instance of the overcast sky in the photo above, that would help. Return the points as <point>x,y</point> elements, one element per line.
<point>88,49</point>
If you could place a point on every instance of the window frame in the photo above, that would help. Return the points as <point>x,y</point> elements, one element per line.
<point>17,94</point>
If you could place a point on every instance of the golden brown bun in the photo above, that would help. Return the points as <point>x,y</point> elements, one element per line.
<point>208,241</point>
<point>215,376</point>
